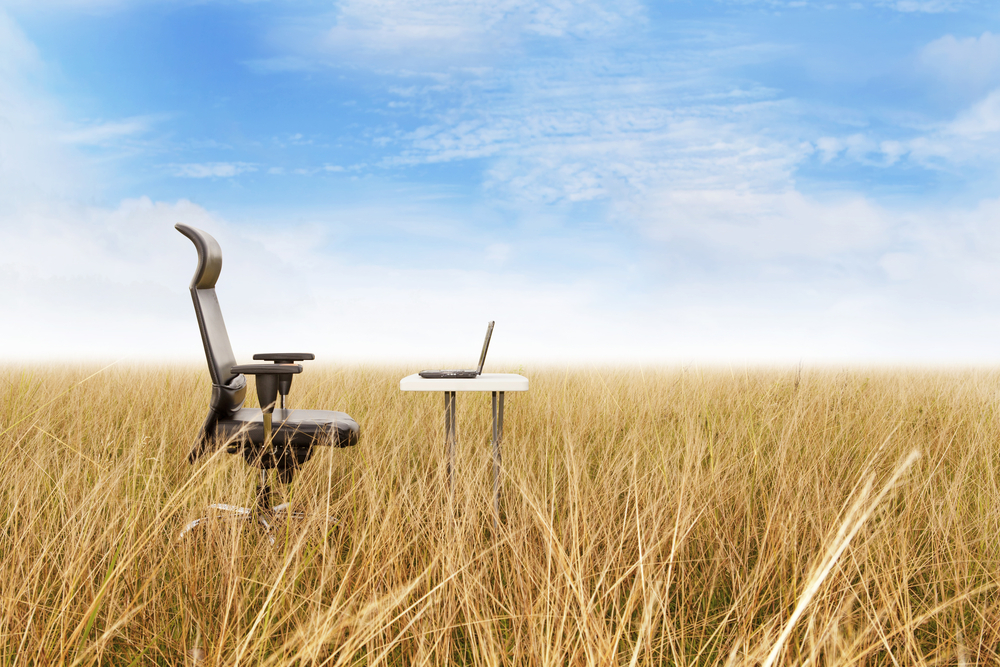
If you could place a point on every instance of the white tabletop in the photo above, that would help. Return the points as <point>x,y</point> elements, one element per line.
<point>484,382</point>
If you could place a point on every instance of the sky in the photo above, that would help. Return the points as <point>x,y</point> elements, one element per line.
<point>711,181</point>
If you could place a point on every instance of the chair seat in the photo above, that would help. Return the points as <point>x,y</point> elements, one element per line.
<point>295,428</point>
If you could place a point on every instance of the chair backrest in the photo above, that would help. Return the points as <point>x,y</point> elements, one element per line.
<point>214,336</point>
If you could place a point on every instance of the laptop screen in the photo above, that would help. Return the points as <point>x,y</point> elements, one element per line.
<point>486,345</point>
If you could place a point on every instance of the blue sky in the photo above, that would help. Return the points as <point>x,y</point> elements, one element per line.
<point>732,182</point>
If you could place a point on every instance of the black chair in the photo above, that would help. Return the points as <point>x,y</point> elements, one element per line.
<point>269,438</point>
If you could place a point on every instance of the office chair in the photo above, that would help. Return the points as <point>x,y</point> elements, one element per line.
<point>268,438</point>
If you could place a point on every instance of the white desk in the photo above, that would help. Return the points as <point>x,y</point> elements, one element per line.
<point>497,383</point>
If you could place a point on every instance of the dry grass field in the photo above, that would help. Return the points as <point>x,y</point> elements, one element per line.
<point>674,517</point>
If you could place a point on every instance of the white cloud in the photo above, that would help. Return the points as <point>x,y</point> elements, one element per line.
<point>23,6</point>
<point>586,135</point>
<point>981,120</point>
<point>860,147</point>
<point>105,133</point>
<point>969,64</point>
<point>412,35</point>
<point>758,226</point>
<point>211,169</point>
<point>924,6</point>
<point>829,148</point>
<point>400,25</point>
<point>498,253</point>
<point>92,282</point>
<point>970,139</point>
<point>905,6</point>
<point>114,285</point>
<point>16,51</point>
<point>281,64</point>
<point>899,265</point>
<point>40,146</point>
<point>33,161</point>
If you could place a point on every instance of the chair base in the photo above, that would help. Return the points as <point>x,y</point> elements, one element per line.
<point>269,519</point>
<point>262,514</point>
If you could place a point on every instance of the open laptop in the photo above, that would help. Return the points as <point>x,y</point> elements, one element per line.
<point>464,373</point>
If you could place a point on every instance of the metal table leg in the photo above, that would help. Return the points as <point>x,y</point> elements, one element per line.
<point>497,437</point>
<point>449,436</point>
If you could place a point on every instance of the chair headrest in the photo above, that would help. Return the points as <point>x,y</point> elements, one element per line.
<point>209,256</point>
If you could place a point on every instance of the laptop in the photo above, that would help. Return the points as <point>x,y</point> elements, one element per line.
<point>464,373</point>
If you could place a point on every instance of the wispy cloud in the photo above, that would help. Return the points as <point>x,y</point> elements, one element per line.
<point>964,77</point>
<point>105,133</point>
<point>17,53</point>
<point>34,163</point>
<point>924,6</point>
<point>399,25</point>
<point>592,131</point>
<point>211,169</point>
<point>905,6</point>
<point>971,139</point>
<point>281,64</point>
<point>417,35</point>
<point>68,5</point>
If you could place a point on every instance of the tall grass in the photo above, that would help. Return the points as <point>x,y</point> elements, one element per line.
<point>648,517</point>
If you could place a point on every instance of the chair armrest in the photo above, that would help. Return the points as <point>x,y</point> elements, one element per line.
<point>267,369</point>
<point>279,357</point>
<point>269,377</point>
